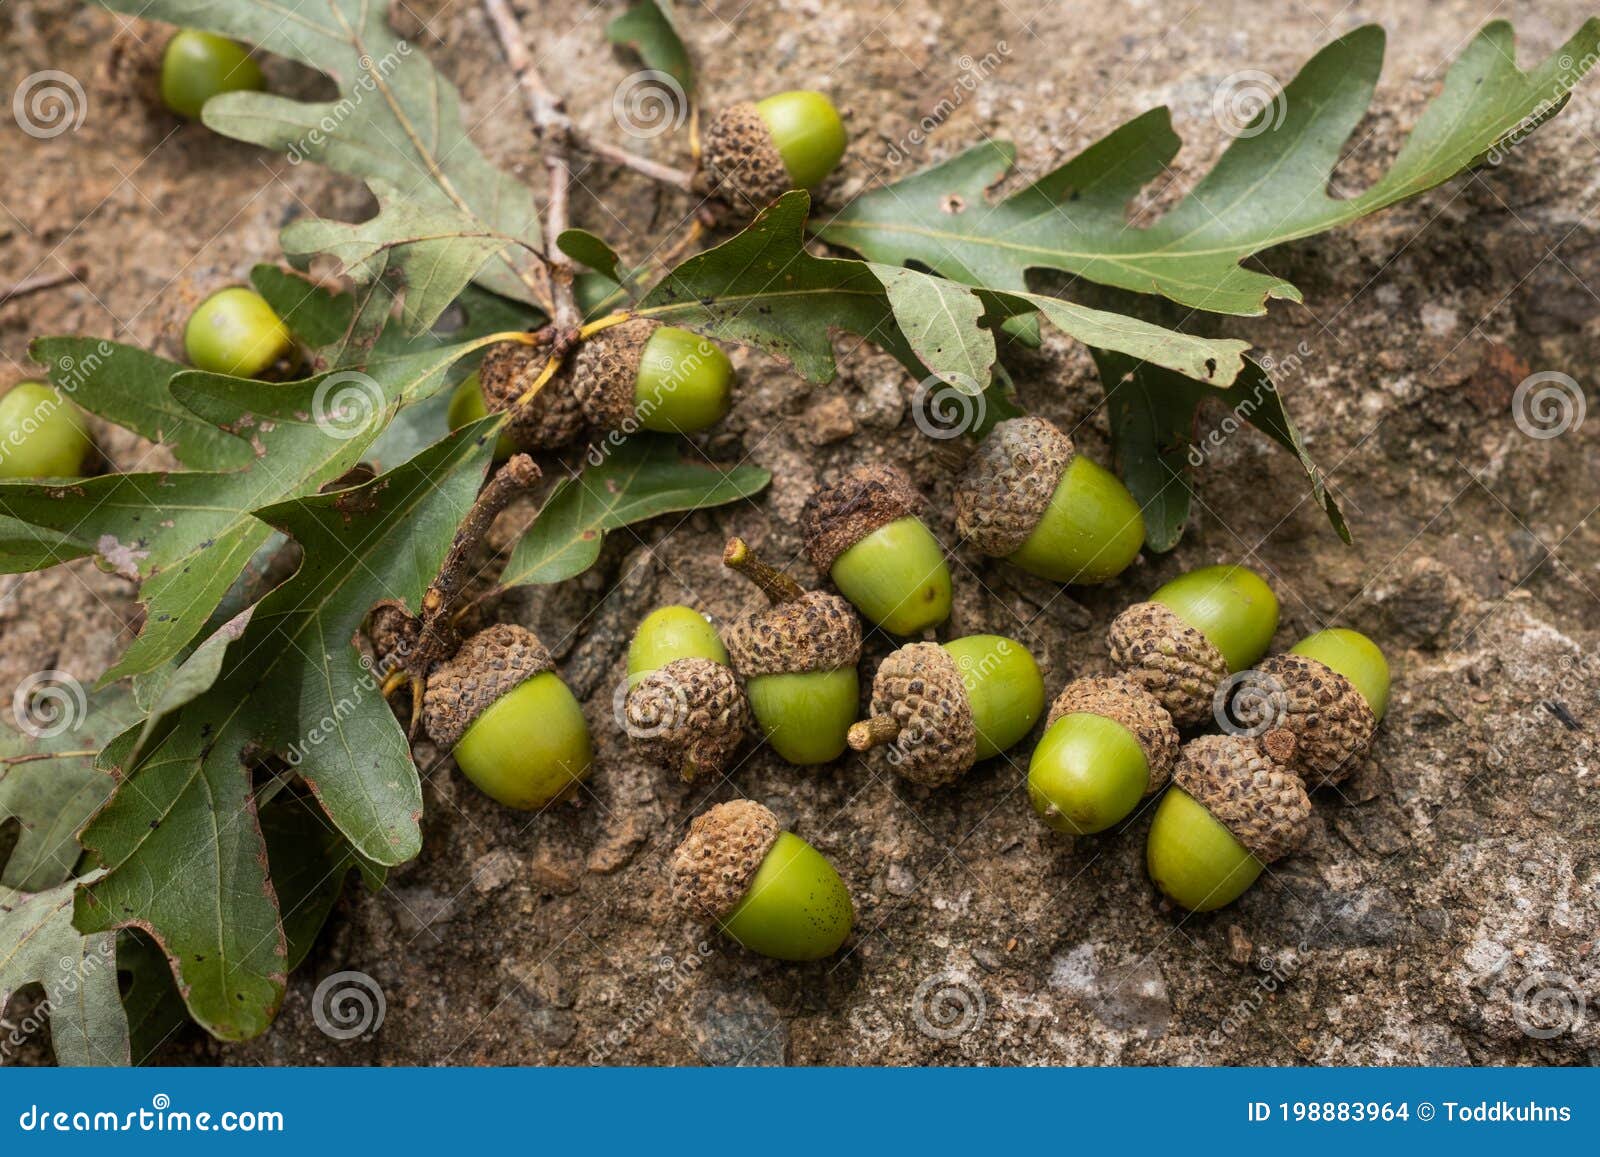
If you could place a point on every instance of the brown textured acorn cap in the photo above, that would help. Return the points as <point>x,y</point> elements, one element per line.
<point>605,372</point>
<point>866,498</point>
<point>1261,802</point>
<point>553,418</point>
<point>488,666</point>
<point>392,630</point>
<point>816,632</point>
<point>689,716</point>
<point>1009,482</point>
<point>1168,658</point>
<point>1123,701</point>
<point>740,163</point>
<point>1331,721</point>
<point>713,867</point>
<point>920,688</point>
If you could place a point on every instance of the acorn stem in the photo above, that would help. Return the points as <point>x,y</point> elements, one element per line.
<point>873,732</point>
<point>774,583</point>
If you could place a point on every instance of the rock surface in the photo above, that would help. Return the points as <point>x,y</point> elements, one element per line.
<point>1445,907</point>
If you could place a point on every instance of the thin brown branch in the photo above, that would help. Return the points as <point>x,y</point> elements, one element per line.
<point>41,281</point>
<point>680,179</point>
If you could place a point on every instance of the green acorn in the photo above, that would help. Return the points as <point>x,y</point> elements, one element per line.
<point>864,533</point>
<point>1107,745</point>
<point>1231,810</point>
<point>767,888</point>
<point>42,435</point>
<point>196,66</point>
<point>937,710</point>
<point>236,332</point>
<point>1182,643</point>
<point>1330,692</point>
<point>798,660</point>
<point>756,152</point>
<point>683,710</point>
<point>1027,496</point>
<point>659,377</point>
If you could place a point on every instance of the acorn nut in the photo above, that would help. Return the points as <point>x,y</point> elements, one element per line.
<point>514,728</point>
<point>798,660</point>
<point>767,888</point>
<point>42,435</point>
<point>645,374</point>
<point>1330,692</point>
<point>1107,745</point>
<point>1183,642</point>
<point>864,533</point>
<point>196,66</point>
<point>937,710</point>
<point>1231,810</point>
<point>683,710</point>
<point>1028,497</point>
<point>235,332</point>
<point>756,152</point>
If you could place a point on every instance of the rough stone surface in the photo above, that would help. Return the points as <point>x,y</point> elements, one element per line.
<point>1440,890</point>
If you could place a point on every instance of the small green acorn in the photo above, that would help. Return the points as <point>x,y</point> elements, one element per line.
<point>1107,745</point>
<point>42,435</point>
<point>937,710</point>
<point>756,152</point>
<point>864,533</point>
<point>1330,692</point>
<point>197,65</point>
<point>659,377</point>
<point>514,728</point>
<point>235,332</point>
<point>767,888</point>
<point>798,660</point>
<point>1183,642</point>
<point>683,709</point>
<point>1027,496</point>
<point>1231,810</point>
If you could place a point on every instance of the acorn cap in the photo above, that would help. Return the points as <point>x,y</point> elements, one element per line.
<point>866,498</point>
<point>740,161</point>
<point>489,665</point>
<point>920,688</point>
<point>816,632</point>
<point>393,631</point>
<point>1168,658</point>
<point>552,419</point>
<point>1009,482</point>
<point>713,867</point>
<point>1331,720</point>
<point>689,716</point>
<point>1262,803</point>
<point>605,373</point>
<point>1123,701</point>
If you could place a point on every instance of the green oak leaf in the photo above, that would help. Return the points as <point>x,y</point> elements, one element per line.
<point>622,484</point>
<point>1152,413</point>
<point>51,798</point>
<point>309,859</point>
<point>293,687</point>
<point>588,249</point>
<point>396,119</point>
<point>1274,183</point>
<point>649,27</point>
<point>38,944</point>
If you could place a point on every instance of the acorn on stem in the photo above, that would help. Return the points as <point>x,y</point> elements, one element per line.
<point>683,710</point>
<point>196,66</point>
<point>42,435</point>
<point>767,888</point>
<point>235,332</point>
<point>514,728</point>
<point>1231,810</point>
<point>1329,691</point>
<point>939,709</point>
<point>798,659</point>
<point>1027,496</point>
<point>757,151</point>
<point>1184,641</point>
<point>864,533</point>
<point>1107,745</point>
<point>552,418</point>
<point>651,375</point>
